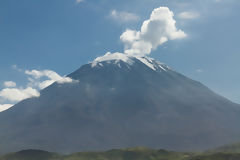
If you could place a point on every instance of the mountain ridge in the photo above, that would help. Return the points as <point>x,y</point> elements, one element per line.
<point>137,153</point>
<point>140,105</point>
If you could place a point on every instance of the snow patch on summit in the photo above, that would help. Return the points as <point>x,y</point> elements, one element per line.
<point>153,64</point>
<point>129,59</point>
<point>147,61</point>
<point>113,57</point>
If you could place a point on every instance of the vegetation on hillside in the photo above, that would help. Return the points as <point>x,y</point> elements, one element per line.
<point>138,153</point>
<point>232,148</point>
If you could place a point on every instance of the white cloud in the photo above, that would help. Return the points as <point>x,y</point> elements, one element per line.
<point>79,1</point>
<point>122,16</point>
<point>51,75</point>
<point>9,84</point>
<point>4,107</point>
<point>155,31</point>
<point>37,80</point>
<point>188,15</point>
<point>16,94</point>
<point>38,74</point>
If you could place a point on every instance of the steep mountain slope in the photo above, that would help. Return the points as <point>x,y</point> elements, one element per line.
<point>121,102</point>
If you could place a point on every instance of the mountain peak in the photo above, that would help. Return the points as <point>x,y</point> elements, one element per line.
<point>116,57</point>
<point>137,99</point>
<point>130,60</point>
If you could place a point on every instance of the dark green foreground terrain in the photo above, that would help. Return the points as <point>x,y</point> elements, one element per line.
<point>139,153</point>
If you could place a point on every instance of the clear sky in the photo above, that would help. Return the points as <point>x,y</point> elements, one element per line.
<point>62,35</point>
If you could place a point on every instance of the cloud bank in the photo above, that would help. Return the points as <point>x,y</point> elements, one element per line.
<point>51,75</point>
<point>16,95</point>
<point>157,30</point>
<point>38,79</point>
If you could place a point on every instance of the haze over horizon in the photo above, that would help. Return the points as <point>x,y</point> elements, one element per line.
<point>39,48</point>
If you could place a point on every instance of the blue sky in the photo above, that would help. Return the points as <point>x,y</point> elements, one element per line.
<point>62,35</point>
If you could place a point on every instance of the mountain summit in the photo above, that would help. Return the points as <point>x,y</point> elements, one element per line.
<point>121,101</point>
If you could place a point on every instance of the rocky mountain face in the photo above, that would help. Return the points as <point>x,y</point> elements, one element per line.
<point>120,102</point>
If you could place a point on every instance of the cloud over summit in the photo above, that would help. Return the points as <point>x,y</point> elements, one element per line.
<point>158,29</point>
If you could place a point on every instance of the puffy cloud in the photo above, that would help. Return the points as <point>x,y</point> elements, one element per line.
<point>4,107</point>
<point>122,16</point>
<point>155,31</point>
<point>9,84</point>
<point>188,15</point>
<point>16,94</point>
<point>51,75</point>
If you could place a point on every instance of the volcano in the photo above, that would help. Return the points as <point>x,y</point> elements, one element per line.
<point>120,101</point>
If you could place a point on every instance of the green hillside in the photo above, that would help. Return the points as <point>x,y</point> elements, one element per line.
<point>218,156</point>
<point>138,153</point>
<point>233,148</point>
